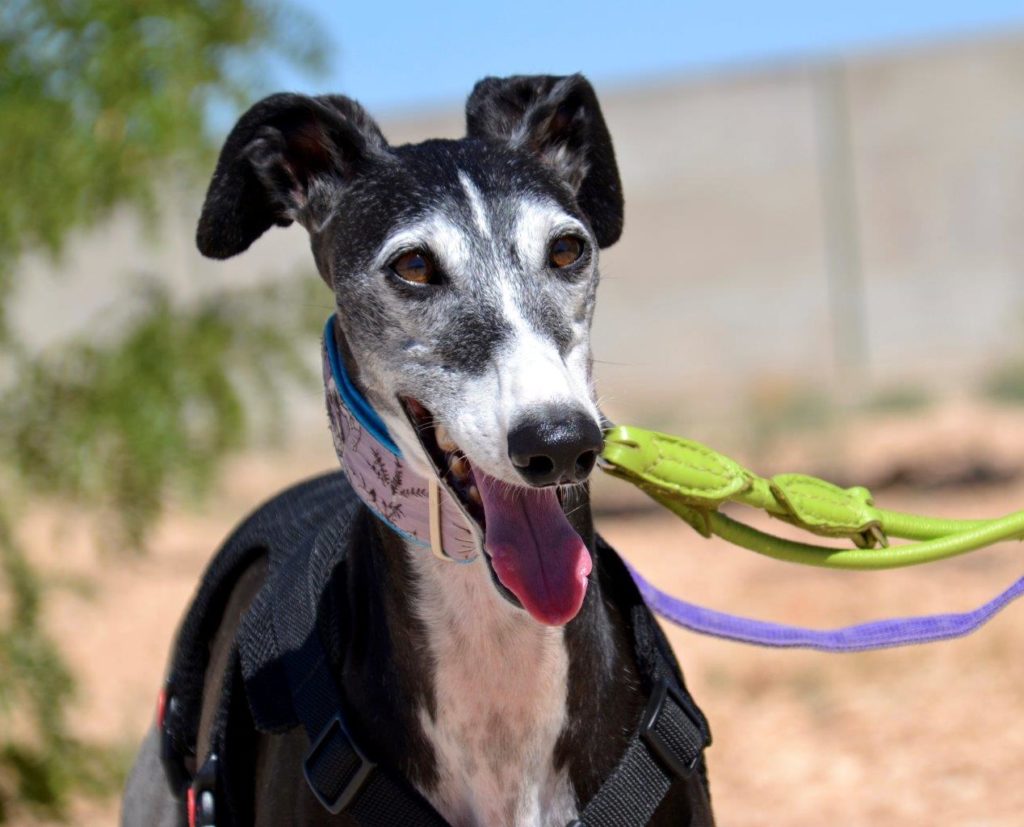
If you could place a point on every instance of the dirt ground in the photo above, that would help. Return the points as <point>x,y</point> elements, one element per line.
<point>918,736</point>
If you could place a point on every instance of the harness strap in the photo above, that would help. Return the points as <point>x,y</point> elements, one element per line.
<point>667,746</point>
<point>338,772</point>
<point>344,780</point>
<point>281,676</point>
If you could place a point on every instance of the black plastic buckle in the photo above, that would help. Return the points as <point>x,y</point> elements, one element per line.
<point>204,801</point>
<point>336,729</point>
<point>649,729</point>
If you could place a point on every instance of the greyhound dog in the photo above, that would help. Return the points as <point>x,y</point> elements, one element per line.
<point>465,274</point>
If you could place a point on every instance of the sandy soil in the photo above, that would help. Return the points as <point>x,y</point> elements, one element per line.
<point>918,736</point>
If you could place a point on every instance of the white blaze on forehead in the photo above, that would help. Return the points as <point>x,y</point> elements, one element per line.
<point>436,233</point>
<point>476,204</point>
<point>529,371</point>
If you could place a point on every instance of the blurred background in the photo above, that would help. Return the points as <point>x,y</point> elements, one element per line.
<point>822,271</point>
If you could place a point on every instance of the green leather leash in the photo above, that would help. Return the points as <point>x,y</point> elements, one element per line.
<point>693,481</point>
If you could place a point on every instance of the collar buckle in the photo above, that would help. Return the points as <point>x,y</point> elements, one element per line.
<point>436,532</point>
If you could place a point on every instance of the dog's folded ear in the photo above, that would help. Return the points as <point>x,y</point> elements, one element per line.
<point>559,120</point>
<point>284,161</point>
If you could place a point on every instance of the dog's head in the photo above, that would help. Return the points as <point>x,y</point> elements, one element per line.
<point>465,274</point>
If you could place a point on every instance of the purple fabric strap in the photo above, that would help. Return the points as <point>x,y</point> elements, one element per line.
<point>878,634</point>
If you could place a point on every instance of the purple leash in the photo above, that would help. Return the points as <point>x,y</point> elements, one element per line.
<point>877,634</point>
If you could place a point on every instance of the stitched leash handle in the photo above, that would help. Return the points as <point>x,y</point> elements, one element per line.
<point>693,481</point>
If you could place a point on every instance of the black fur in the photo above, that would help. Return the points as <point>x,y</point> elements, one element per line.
<point>271,161</point>
<point>560,120</point>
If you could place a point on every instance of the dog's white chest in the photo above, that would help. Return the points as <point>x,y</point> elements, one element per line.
<point>500,681</point>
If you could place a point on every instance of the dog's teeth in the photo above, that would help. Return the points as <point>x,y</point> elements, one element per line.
<point>444,439</point>
<point>460,466</point>
<point>474,495</point>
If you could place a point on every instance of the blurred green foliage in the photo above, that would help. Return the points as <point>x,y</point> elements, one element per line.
<point>115,426</point>
<point>899,399</point>
<point>101,99</point>
<point>120,428</point>
<point>1005,383</point>
<point>101,102</point>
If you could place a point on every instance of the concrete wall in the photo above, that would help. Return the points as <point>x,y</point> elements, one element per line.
<point>720,279</point>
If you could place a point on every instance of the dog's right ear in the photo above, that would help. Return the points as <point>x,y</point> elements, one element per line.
<point>284,161</point>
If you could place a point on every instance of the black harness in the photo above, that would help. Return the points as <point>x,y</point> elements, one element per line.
<point>282,668</point>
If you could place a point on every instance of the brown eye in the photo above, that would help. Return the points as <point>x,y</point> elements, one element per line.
<point>564,251</point>
<point>415,266</point>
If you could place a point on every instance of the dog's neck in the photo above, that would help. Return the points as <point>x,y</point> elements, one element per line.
<point>496,718</point>
<point>500,682</point>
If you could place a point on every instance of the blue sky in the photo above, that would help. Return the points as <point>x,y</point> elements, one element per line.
<point>401,54</point>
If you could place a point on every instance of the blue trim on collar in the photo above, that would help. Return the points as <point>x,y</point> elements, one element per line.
<point>357,404</point>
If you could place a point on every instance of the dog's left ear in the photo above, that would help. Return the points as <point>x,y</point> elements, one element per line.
<point>559,120</point>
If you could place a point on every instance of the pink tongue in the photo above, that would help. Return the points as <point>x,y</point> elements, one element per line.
<point>535,552</point>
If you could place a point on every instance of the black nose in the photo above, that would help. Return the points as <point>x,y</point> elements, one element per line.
<point>555,445</point>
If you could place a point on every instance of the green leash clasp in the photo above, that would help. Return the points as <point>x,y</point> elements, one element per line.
<point>693,481</point>
<point>828,510</point>
<point>702,479</point>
